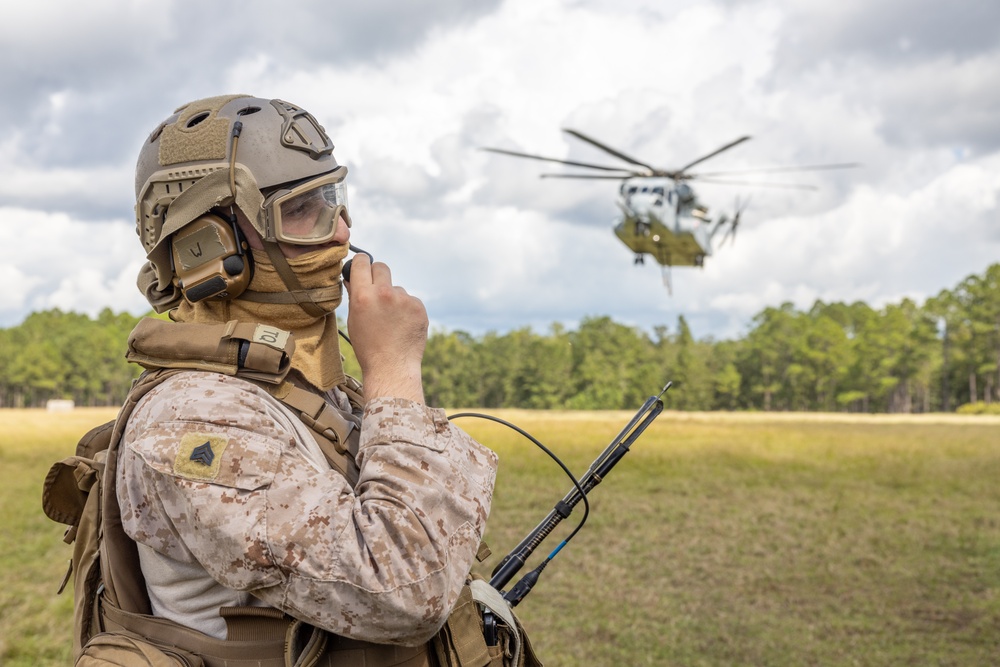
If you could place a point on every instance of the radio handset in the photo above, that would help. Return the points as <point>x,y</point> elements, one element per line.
<point>346,271</point>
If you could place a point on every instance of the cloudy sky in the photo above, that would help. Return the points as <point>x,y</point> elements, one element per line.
<point>410,91</point>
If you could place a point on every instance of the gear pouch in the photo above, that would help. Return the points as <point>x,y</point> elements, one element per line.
<point>128,650</point>
<point>460,643</point>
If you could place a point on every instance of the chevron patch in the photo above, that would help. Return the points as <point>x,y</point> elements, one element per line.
<point>199,455</point>
<point>203,454</point>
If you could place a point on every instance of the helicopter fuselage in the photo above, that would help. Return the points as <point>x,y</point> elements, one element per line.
<point>663,219</point>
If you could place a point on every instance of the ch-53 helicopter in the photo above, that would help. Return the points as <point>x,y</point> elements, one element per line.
<point>660,214</point>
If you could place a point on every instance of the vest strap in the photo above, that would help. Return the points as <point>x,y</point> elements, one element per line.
<point>336,434</point>
<point>316,413</point>
<point>254,623</point>
<point>215,652</point>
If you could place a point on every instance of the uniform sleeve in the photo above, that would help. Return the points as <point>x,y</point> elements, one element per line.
<point>211,473</point>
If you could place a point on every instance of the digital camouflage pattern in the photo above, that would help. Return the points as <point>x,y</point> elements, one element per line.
<point>220,479</point>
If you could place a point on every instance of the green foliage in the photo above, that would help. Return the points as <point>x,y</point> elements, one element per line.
<point>53,354</point>
<point>979,408</point>
<point>900,358</point>
<point>690,371</point>
<point>611,367</point>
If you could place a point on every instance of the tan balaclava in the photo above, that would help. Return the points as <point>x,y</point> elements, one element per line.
<point>317,342</point>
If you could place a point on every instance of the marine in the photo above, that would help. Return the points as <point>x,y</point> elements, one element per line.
<point>258,506</point>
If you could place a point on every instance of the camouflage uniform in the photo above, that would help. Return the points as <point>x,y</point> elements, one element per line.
<point>232,503</point>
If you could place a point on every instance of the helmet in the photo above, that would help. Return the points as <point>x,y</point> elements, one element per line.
<point>269,158</point>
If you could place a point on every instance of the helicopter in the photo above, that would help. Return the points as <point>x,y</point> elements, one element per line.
<point>661,216</point>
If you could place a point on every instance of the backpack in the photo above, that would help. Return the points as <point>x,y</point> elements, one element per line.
<point>73,495</point>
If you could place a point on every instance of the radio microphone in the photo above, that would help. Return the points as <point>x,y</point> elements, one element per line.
<point>346,271</point>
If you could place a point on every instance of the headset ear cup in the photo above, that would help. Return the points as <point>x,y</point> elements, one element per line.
<point>210,260</point>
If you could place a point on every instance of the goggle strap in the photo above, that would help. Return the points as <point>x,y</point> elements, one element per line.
<point>301,296</point>
<point>319,294</point>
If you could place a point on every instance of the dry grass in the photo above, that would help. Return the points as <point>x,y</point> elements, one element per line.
<point>34,622</point>
<point>721,539</point>
<point>755,417</point>
<point>733,539</point>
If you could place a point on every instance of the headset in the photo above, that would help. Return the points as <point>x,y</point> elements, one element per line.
<point>210,258</point>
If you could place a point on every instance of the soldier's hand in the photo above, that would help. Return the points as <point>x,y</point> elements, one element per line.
<point>388,331</point>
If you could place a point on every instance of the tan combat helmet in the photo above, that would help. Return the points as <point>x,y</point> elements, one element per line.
<point>265,157</point>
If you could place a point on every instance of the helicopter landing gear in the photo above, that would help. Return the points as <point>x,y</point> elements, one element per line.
<point>666,279</point>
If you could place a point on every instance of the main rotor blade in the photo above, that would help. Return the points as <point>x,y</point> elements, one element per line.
<point>681,171</point>
<point>619,177</point>
<point>759,184</point>
<point>775,170</point>
<point>552,159</point>
<point>608,149</point>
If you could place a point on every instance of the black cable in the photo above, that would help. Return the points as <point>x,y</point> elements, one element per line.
<point>345,274</point>
<point>583,494</point>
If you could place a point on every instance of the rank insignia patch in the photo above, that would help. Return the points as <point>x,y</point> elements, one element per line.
<point>199,455</point>
<point>203,454</point>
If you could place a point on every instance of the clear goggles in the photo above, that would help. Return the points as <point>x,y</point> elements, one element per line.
<point>308,213</point>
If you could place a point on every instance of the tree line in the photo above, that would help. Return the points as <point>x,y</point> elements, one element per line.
<point>941,355</point>
<point>53,354</point>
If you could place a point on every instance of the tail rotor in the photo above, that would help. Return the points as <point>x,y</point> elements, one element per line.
<point>734,224</point>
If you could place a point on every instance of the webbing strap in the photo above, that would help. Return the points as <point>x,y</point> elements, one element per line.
<point>320,648</point>
<point>317,414</point>
<point>291,280</point>
<point>254,623</point>
<point>331,429</point>
<point>355,394</point>
<point>215,652</point>
<point>119,558</point>
<point>294,296</point>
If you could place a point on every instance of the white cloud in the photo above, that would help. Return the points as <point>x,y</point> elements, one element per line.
<point>52,261</point>
<point>479,236</point>
<point>877,246</point>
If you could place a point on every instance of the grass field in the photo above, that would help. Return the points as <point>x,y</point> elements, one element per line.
<point>719,540</point>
